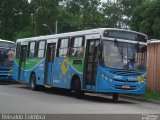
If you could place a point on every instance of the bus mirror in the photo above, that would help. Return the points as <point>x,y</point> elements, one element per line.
<point>101,45</point>
<point>115,41</point>
<point>144,49</point>
<point>137,46</point>
<point>100,50</point>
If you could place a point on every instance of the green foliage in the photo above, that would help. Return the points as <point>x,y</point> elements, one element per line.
<point>113,14</point>
<point>24,33</point>
<point>146,18</point>
<point>68,22</point>
<point>150,95</point>
<point>13,15</point>
<point>19,18</point>
<point>44,12</point>
<point>88,13</point>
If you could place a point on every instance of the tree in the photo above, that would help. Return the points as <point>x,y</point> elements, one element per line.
<point>128,7</point>
<point>146,18</point>
<point>68,21</point>
<point>89,12</point>
<point>14,16</point>
<point>44,12</point>
<point>113,14</point>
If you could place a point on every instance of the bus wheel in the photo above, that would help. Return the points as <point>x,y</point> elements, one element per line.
<point>33,85</point>
<point>115,97</point>
<point>77,88</point>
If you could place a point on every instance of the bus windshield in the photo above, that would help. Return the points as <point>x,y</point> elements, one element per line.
<point>6,54</point>
<point>124,55</point>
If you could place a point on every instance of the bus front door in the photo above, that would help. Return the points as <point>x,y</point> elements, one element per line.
<point>22,59</point>
<point>91,62</point>
<point>49,63</point>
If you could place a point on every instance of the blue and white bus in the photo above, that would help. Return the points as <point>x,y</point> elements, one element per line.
<point>6,59</point>
<point>103,60</point>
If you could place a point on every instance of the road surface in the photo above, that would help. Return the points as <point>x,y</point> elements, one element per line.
<point>17,98</point>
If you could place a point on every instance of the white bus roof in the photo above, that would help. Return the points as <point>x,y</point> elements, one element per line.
<point>153,41</point>
<point>76,33</point>
<point>6,41</point>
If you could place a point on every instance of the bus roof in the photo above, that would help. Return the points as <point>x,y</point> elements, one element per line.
<point>153,41</point>
<point>6,41</point>
<point>76,33</point>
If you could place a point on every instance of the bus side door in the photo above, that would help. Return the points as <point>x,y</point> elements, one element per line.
<point>22,59</point>
<point>49,63</point>
<point>91,61</point>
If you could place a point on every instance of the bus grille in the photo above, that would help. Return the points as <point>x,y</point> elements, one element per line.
<point>126,73</point>
<point>125,81</point>
<point>3,76</point>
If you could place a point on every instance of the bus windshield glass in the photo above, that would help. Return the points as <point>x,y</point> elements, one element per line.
<point>6,54</point>
<point>124,55</point>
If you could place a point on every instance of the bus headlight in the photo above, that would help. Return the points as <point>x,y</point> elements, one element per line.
<point>140,78</point>
<point>110,79</point>
<point>102,75</point>
<point>144,76</point>
<point>11,70</point>
<point>105,77</point>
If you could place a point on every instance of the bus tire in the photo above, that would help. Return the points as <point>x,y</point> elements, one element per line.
<point>115,97</point>
<point>77,88</point>
<point>33,85</point>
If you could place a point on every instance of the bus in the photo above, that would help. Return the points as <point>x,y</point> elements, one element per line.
<point>6,59</point>
<point>102,60</point>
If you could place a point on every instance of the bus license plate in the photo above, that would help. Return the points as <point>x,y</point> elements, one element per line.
<point>125,86</point>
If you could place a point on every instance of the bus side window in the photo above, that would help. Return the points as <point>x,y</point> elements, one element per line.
<point>31,52</point>
<point>62,50</point>
<point>41,49</point>
<point>77,47</point>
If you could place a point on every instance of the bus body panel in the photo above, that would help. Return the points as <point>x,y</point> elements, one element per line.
<point>31,65</point>
<point>62,69</point>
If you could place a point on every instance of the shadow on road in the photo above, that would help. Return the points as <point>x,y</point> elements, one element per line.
<point>8,82</point>
<point>102,98</point>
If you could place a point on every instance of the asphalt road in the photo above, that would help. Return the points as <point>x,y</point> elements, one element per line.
<point>17,98</point>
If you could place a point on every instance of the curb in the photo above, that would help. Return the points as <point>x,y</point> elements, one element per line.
<point>139,99</point>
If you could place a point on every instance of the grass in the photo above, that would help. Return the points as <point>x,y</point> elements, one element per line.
<point>151,95</point>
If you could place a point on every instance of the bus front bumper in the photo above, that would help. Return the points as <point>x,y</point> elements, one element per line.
<point>111,86</point>
<point>6,76</point>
